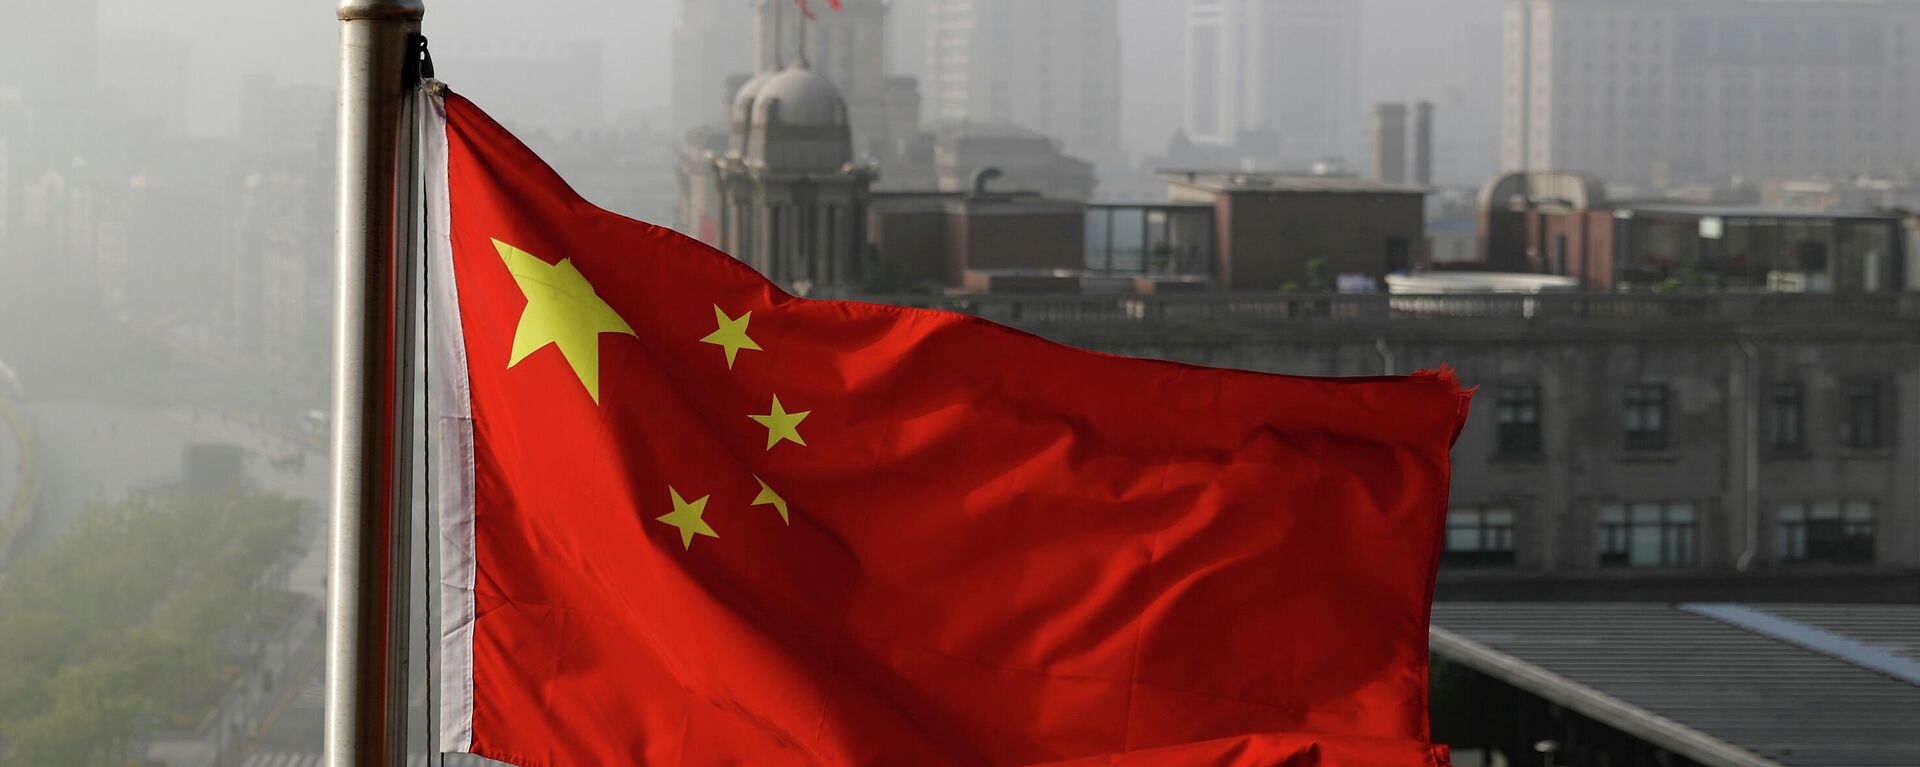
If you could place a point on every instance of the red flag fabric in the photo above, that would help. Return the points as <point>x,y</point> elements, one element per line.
<point>686,518</point>
<point>807,10</point>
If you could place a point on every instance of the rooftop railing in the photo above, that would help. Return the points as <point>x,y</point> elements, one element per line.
<point>1106,309</point>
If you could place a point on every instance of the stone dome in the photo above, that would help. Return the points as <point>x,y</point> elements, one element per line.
<point>800,97</point>
<point>741,115</point>
<point>799,124</point>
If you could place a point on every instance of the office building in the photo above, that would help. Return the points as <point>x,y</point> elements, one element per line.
<point>1275,80</point>
<point>1051,67</point>
<point>1654,93</point>
<point>711,42</point>
<point>1390,143</point>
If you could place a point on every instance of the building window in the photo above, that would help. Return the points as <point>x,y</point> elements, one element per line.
<point>1518,410</point>
<point>1479,536</point>
<point>1785,418</point>
<point>1649,534</point>
<point>1645,417</point>
<point>1866,417</point>
<point>1825,531</point>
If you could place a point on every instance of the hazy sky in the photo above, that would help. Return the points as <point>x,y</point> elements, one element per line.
<point>296,40</point>
<point>1414,49</point>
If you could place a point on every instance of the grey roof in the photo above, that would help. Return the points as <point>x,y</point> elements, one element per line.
<point>1705,688</point>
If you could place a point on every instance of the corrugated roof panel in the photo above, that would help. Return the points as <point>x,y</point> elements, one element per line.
<point>1771,698</point>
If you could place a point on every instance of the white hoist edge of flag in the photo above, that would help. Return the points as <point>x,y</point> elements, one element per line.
<point>452,438</point>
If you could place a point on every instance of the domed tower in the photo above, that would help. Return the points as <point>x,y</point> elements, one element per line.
<point>795,200</point>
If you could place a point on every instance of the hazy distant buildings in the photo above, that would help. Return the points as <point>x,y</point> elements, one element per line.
<point>1390,142</point>
<point>1273,81</point>
<point>285,120</point>
<point>1447,53</point>
<point>710,44</point>
<point>1051,67</point>
<point>532,85</point>
<point>1653,92</point>
<point>49,49</point>
<point>146,77</point>
<point>1025,160</point>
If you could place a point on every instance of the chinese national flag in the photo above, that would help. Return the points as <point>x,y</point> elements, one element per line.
<point>688,519</point>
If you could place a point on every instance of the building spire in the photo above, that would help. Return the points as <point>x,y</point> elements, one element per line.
<point>779,43</point>
<point>802,60</point>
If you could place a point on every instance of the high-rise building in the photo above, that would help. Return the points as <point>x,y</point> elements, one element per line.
<point>1277,79</point>
<point>1390,142</point>
<point>710,44</point>
<point>1051,67</point>
<point>1423,143</point>
<point>1657,92</point>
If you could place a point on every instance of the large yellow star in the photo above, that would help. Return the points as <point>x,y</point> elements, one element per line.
<point>782,424</point>
<point>689,518</point>
<point>768,497</point>
<point>732,335</point>
<point>562,310</point>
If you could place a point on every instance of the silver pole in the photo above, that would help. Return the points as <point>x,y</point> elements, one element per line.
<point>366,604</point>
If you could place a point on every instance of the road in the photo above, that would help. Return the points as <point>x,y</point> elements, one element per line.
<point>91,451</point>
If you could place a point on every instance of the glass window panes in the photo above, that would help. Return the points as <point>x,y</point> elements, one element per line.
<point>1824,531</point>
<point>1648,534</point>
<point>1517,408</point>
<point>1785,419</point>
<point>1479,536</point>
<point>1866,419</point>
<point>1099,256</point>
<point>1645,417</point>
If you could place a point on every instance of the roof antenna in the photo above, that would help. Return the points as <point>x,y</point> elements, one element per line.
<point>802,61</point>
<point>779,42</point>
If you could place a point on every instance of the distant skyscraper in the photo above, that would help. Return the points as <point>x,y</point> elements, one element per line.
<point>1655,93</point>
<point>1051,67</point>
<point>712,42</point>
<point>1390,142</point>
<point>1422,166</point>
<point>1279,78</point>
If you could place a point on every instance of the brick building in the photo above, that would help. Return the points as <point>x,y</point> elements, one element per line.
<point>1300,232</point>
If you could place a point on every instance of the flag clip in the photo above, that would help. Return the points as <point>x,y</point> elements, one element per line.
<point>419,64</point>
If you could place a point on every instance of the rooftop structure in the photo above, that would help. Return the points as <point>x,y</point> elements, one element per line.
<point>1716,685</point>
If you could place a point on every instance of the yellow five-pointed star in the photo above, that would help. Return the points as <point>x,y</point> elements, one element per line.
<point>732,335</point>
<point>768,497</point>
<point>782,424</point>
<point>688,517</point>
<point>562,310</point>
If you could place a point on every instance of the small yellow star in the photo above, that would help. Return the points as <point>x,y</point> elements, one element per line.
<point>782,424</point>
<point>562,311</point>
<point>687,517</point>
<point>768,497</point>
<point>732,335</point>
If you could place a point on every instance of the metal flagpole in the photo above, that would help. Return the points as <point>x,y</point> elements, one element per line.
<point>375,259</point>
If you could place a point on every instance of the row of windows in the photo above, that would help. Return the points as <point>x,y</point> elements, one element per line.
<point>1646,423</point>
<point>1667,534</point>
